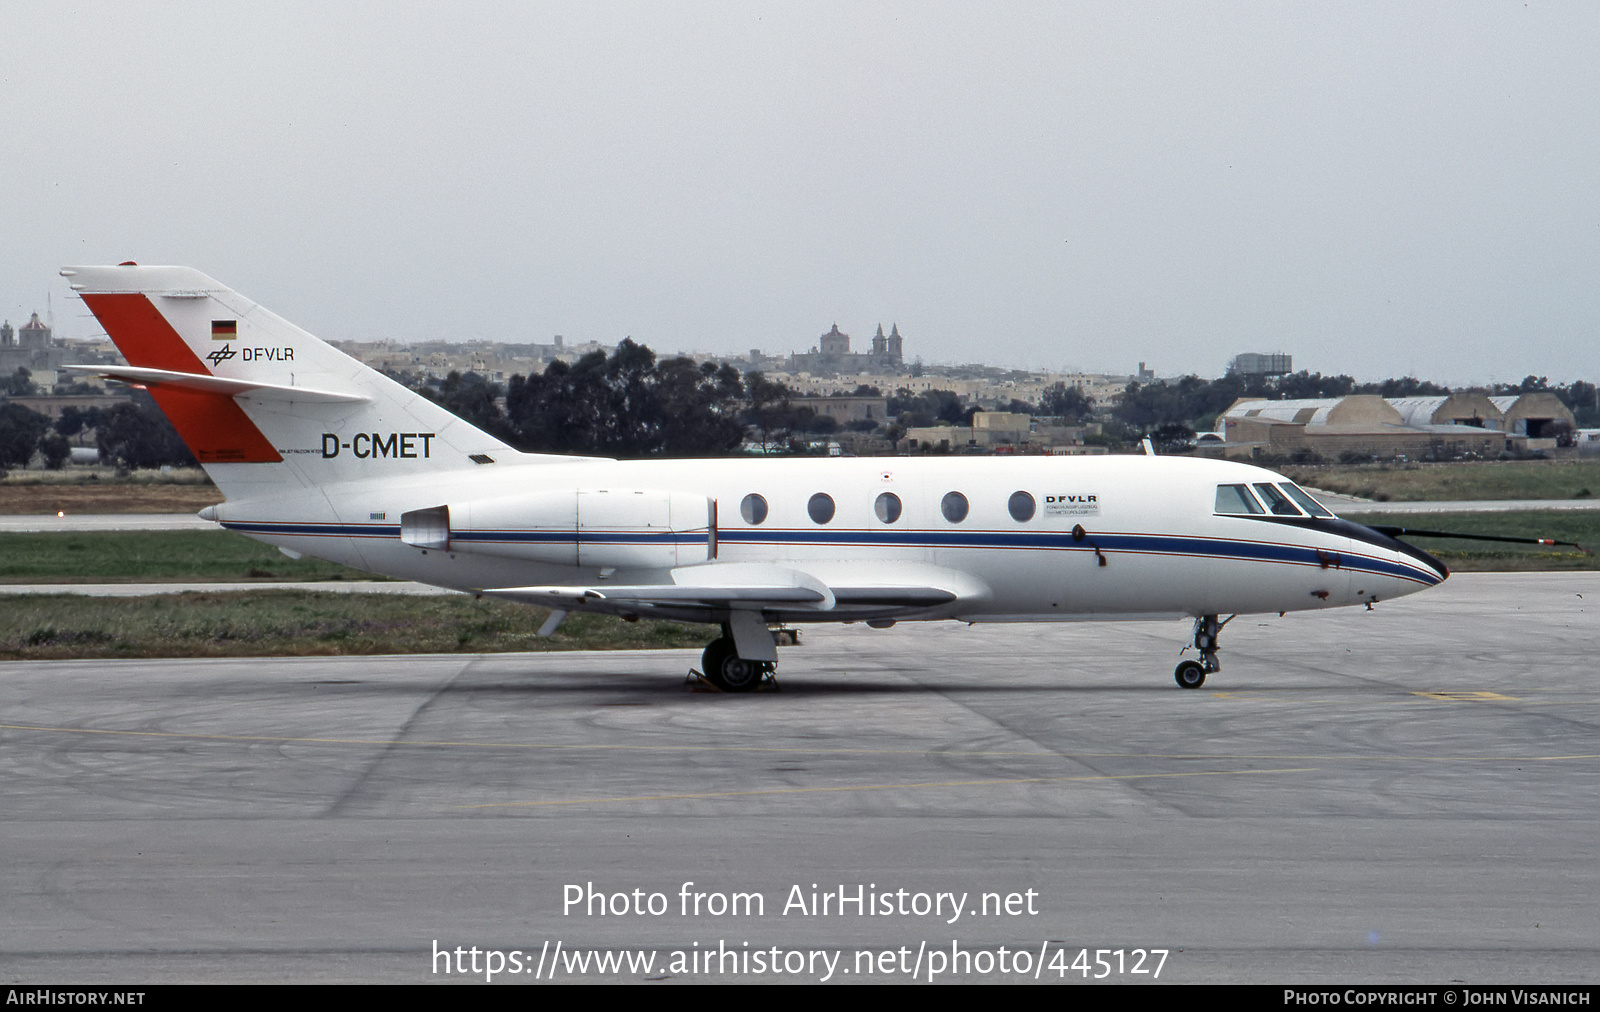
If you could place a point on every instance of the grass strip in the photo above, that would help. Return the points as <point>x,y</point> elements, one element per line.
<point>1511,479</point>
<point>73,492</point>
<point>153,557</point>
<point>286,623</point>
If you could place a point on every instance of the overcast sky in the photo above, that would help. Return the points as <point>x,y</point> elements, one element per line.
<point>1379,190</point>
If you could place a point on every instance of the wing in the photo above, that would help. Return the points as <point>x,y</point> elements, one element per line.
<point>702,593</point>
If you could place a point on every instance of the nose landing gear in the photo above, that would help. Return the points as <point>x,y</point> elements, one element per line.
<point>1207,631</point>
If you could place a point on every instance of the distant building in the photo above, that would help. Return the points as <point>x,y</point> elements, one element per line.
<point>831,355</point>
<point>1000,432</point>
<point>845,410</point>
<point>1255,364</point>
<point>1367,425</point>
<point>890,348</point>
<point>1537,415</point>
<point>30,347</point>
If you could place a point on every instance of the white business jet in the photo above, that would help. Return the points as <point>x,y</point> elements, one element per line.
<point>322,456</point>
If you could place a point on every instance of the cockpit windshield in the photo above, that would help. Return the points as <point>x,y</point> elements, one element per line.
<point>1300,496</point>
<point>1237,500</point>
<point>1276,501</point>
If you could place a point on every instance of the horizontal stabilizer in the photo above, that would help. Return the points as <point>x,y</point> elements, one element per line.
<point>203,383</point>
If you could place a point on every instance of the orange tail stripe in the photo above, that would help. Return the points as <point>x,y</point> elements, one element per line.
<point>213,426</point>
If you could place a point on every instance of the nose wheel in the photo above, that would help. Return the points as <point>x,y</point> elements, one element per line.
<point>1207,631</point>
<point>1190,675</point>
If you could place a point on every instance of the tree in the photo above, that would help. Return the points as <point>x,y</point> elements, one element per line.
<point>698,406</point>
<point>627,405</point>
<point>1069,403</point>
<point>74,420</point>
<point>1312,385</point>
<point>551,412</point>
<point>1583,401</point>
<point>1172,437</point>
<point>20,429</point>
<point>1151,405</point>
<point>768,408</point>
<point>1405,386</point>
<point>931,406</point>
<point>473,398</point>
<point>55,449</point>
<point>18,384</point>
<point>139,435</point>
<point>821,425</point>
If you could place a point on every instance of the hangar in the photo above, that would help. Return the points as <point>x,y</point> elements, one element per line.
<point>1457,425</point>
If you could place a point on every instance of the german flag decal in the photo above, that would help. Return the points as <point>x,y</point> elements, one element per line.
<point>224,330</point>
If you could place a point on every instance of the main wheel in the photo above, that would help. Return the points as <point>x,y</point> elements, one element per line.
<point>1190,675</point>
<point>727,670</point>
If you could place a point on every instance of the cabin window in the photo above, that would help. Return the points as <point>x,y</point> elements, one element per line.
<point>1276,501</point>
<point>954,507</point>
<point>820,507</point>
<point>1021,506</point>
<point>1300,496</point>
<point>1236,499</point>
<point>887,507</point>
<point>753,508</point>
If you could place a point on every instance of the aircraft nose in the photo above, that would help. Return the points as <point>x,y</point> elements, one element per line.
<point>1411,551</point>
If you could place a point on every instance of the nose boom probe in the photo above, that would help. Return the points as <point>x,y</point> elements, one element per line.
<point>1395,532</point>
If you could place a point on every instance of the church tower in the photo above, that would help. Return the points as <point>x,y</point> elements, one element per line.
<point>34,334</point>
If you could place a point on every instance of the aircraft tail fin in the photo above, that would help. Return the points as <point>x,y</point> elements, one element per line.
<point>261,403</point>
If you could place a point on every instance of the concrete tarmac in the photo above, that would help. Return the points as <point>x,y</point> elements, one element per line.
<point>37,523</point>
<point>1402,795</point>
<point>149,589</point>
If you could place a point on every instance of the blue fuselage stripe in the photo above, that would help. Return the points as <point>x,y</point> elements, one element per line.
<point>1145,544</point>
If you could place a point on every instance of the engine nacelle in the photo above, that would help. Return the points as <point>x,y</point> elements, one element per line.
<point>601,528</point>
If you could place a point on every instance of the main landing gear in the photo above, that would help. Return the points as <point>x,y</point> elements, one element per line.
<point>743,655</point>
<point>1207,630</point>
<point>728,671</point>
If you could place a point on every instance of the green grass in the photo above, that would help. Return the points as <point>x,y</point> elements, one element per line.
<point>1519,479</point>
<point>276,623</point>
<point>1582,526</point>
<point>154,556</point>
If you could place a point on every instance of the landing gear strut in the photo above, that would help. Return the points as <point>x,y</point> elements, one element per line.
<point>728,671</point>
<point>1207,630</point>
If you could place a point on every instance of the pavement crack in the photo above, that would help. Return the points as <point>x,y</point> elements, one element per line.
<point>357,789</point>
